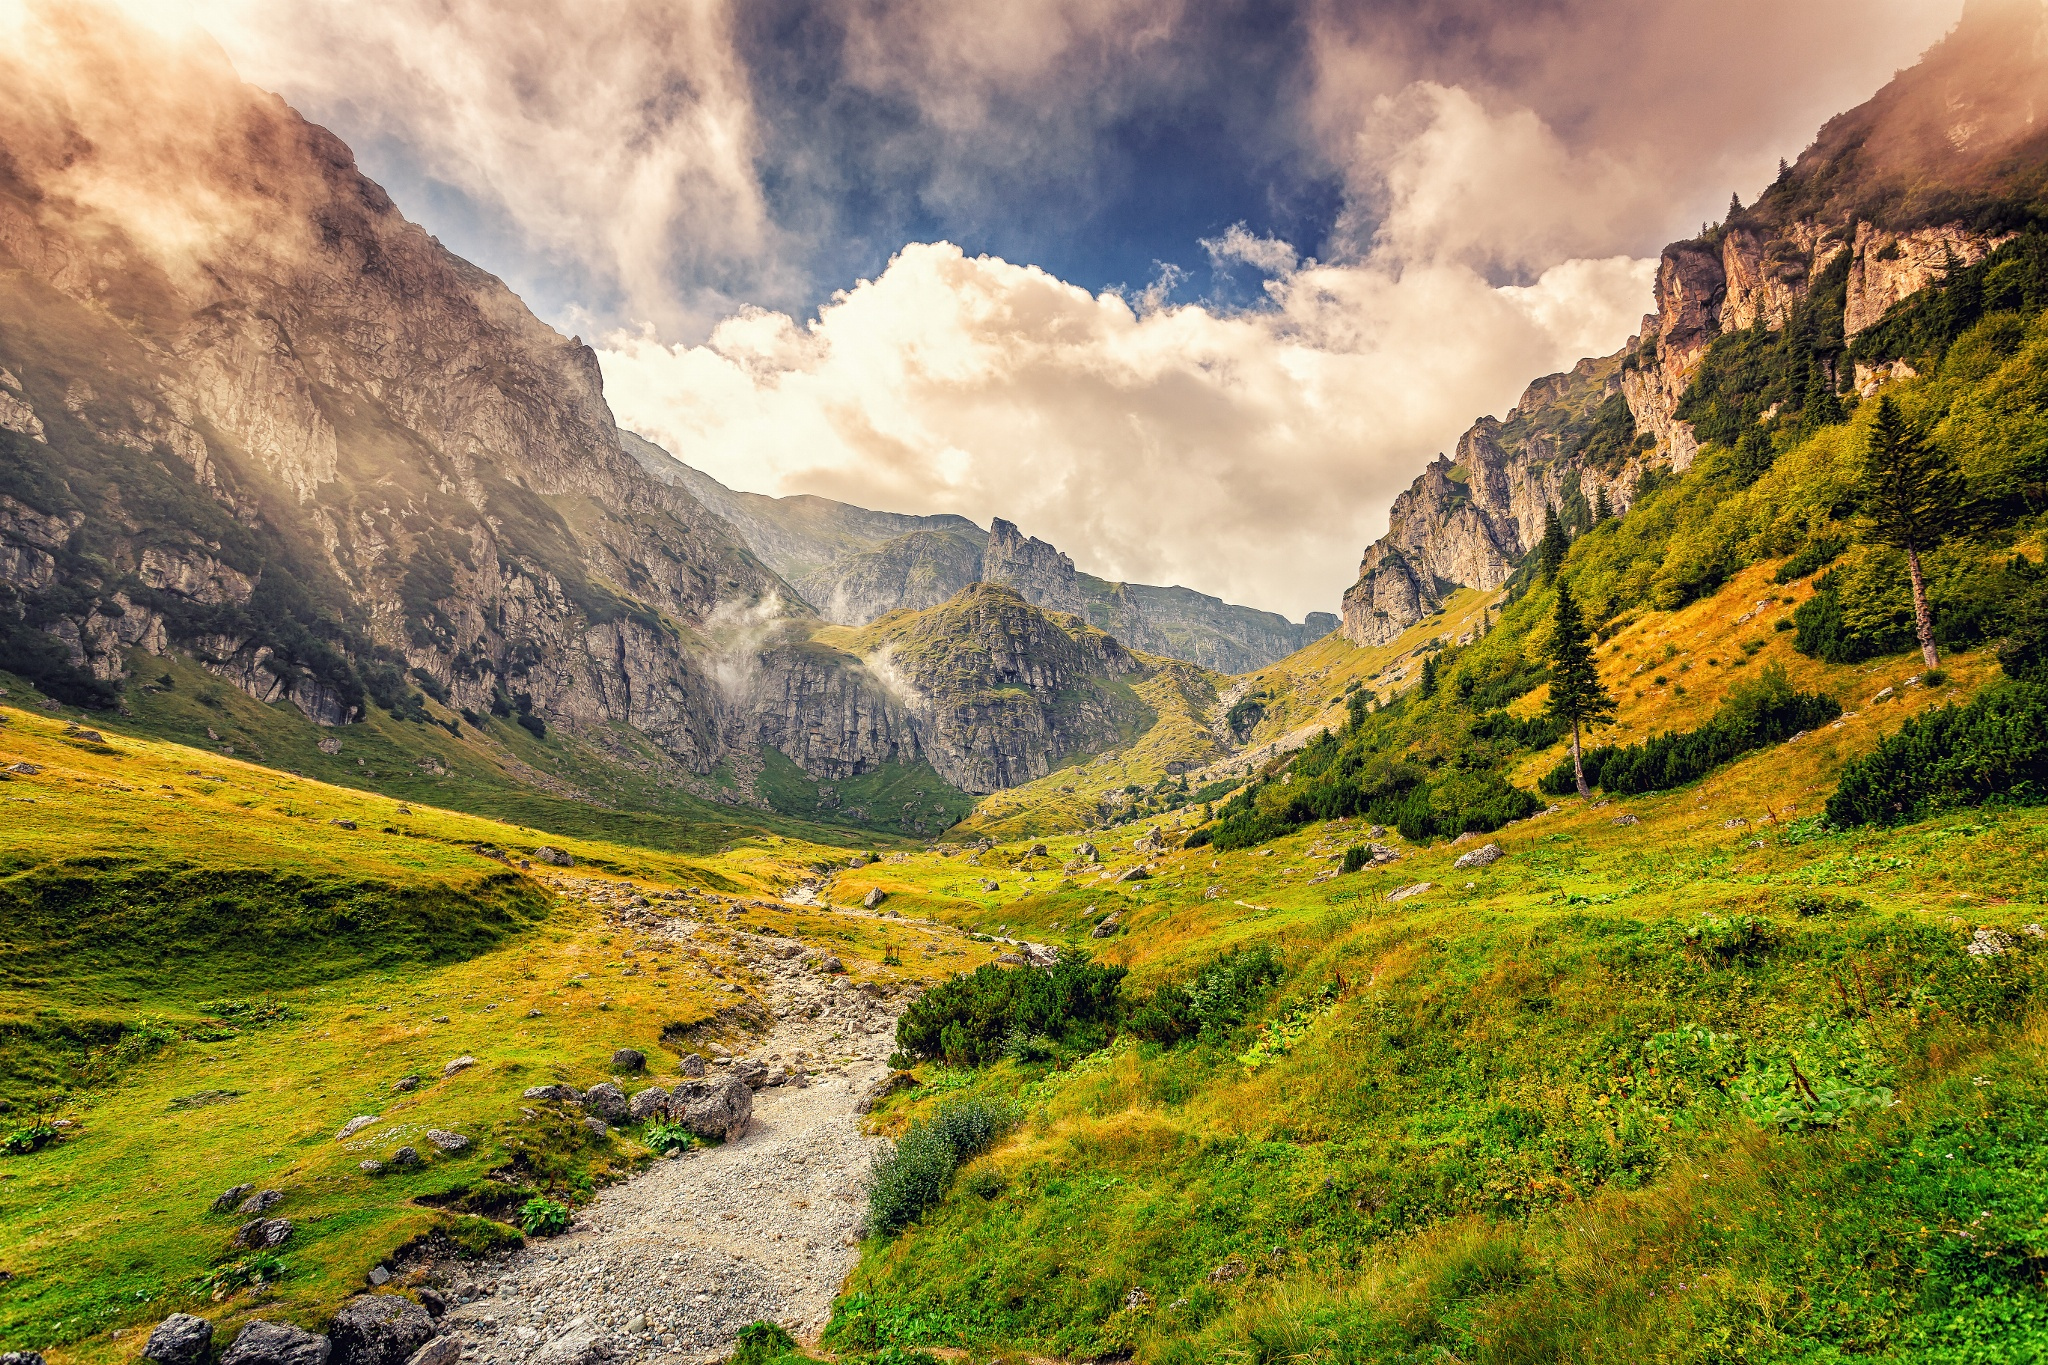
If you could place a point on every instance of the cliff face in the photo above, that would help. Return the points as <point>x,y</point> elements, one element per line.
<point>855,565</point>
<point>1001,690</point>
<point>1940,166</point>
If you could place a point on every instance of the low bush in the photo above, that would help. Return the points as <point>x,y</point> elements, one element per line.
<point>763,1343</point>
<point>916,1172</point>
<point>1817,553</point>
<point>1763,710</point>
<point>1994,750</point>
<point>664,1136</point>
<point>543,1217</point>
<point>1217,1000</point>
<point>973,1019</point>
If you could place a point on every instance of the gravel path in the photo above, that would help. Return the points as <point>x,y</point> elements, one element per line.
<point>669,1266</point>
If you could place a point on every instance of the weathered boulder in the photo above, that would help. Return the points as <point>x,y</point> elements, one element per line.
<point>277,1343</point>
<point>753,1071</point>
<point>264,1233</point>
<point>354,1126</point>
<point>887,1086</point>
<point>692,1065</point>
<point>568,1093</point>
<point>627,1060</point>
<point>378,1329</point>
<point>874,897</point>
<point>458,1063</point>
<point>554,857</point>
<point>647,1104</point>
<point>259,1202</point>
<point>720,1108</point>
<point>606,1101</point>
<point>180,1339</point>
<point>1481,856</point>
<point>447,1141</point>
<point>1109,926</point>
<point>406,1156</point>
<point>230,1197</point>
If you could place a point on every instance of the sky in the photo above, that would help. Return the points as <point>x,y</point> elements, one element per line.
<point>1190,290</point>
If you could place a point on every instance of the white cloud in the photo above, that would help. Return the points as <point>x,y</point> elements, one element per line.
<point>1238,243</point>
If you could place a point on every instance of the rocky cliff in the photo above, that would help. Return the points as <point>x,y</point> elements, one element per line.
<point>1936,170</point>
<point>855,565</point>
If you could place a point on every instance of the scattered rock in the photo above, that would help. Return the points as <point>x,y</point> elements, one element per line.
<point>606,1101</point>
<point>1213,893</point>
<point>264,1233</point>
<point>646,1104</point>
<point>718,1108</point>
<point>447,1141</point>
<point>831,965</point>
<point>260,1202</point>
<point>406,1083</point>
<point>1088,852</point>
<point>628,1060</point>
<point>459,1064</point>
<point>1481,856</point>
<point>342,824</point>
<point>597,1127</point>
<point>370,1167</point>
<point>230,1197</point>
<point>1133,874</point>
<point>873,898</point>
<point>887,1086</point>
<point>406,1156</point>
<point>1625,820</point>
<point>180,1339</point>
<point>329,745</point>
<point>1035,851</point>
<point>560,1093</point>
<point>1403,893</point>
<point>554,857</point>
<point>378,1329</point>
<point>24,770</point>
<point>1010,960</point>
<point>277,1343</point>
<point>692,1065</point>
<point>754,1072</point>
<point>354,1126</point>
<point>1107,927</point>
<point>439,1351</point>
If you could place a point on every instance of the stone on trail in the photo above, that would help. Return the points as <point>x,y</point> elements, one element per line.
<point>628,1060</point>
<point>277,1343</point>
<point>180,1339</point>
<point>379,1329</point>
<point>753,1071</point>
<point>719,1109</point>
<point>230,1197</point>
<point>646,1104</point>
<point>1481,856</point>
<point>439,1351</point>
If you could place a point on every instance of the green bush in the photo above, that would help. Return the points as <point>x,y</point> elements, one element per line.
<point>916,1172</point>
<point>475,1238</point>
<point>972,1019</point>
<point>1993,750</point>
<point>1219,997</point>
<point>543,1217</point>
<point>664,1136</point>
<point>762,1343</point>
<point>1760,711</point>
<point>30,1138</point>
<point>1817,553</point>
<point>1356,857</point>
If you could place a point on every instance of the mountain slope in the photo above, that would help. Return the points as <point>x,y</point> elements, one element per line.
<point>855,565</point>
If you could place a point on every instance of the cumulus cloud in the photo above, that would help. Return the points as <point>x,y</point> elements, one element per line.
<point>1239,244</point>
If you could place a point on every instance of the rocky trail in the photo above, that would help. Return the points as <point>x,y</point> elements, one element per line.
<point>669,1266</point>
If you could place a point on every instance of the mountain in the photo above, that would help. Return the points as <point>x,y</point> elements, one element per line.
<point>1933,172</point>
<point>855,565</point>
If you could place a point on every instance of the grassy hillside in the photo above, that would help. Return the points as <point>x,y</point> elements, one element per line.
<point>210,967</point>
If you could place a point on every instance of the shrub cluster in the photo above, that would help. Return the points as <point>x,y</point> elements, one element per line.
<point>974,1019</point>
<point>1763,711</point>
<point>1993,750</point>
<point>1219,997</point>
<point>915,1174</point>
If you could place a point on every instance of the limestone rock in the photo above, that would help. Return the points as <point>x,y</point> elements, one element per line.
<point>180,1339</point>
<point>230,1197</point>
<point>873,898</point>
<point>1482,856</point>
<point>720,1108</point>
<point>447,1141</point>
<point>647,1104</point>
<point>263,1233</point>
<point>606,1101</point>
<point>260,1201</point>
<point>277,1343</point>
<point>378,1329</point>
<point>628,1060</point>
<point>458,1064</point>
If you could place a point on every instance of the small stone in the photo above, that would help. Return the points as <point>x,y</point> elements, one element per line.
<point>831,965</point>
<point>598,1127</point>
<point>369,1167</point>
<point>342,824</point>
<point>406,1083</point>
<point>257,1203</point>
<point>692,1065</point>
<point>406,1156</point>
<point>447,1141</point>
<point>354,1126</point>
<point>230,1197</point>
<point>1481,856</point>
<point>439,1351</point>
<point>459,1064</point>
<point>180,1339</point>
<point>277,1343</point>
<point>440,1019</point>
<point>264,1233</point>
<point>379,1276</point>
<point>628,1060</point>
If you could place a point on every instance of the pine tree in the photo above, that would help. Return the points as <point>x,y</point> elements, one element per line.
<point>1912,498</point>
<point>1428,685</point>
<point>1576,695</point>
<point>1602,509</point>
<point>1754,455</point>
<point>1820,407</point>
<point>1783,169</point>
<point>1734,207</point>
<point>1550,550</point>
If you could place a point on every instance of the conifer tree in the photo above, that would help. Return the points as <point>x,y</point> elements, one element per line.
<point>1602,510</point>
<point>1428,685</point>
<point>1734,207</point>
<point>1576,695</point>
<point>1550,550</point>
<point>1912,498</point>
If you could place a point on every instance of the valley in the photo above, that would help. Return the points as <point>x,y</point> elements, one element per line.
<point>474,887</point>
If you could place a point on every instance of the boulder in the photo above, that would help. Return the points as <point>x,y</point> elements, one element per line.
<point>831,964</point>
<point>180,1339</point>
<point>753,1071</point>
<point>1625,820</point>
<point>887,1086</point>
<point>1481,856</point>
<point>554,857</point>
<point>627,1060</point>
<point>369,1167</point>
<point>1088,852</point>
<point>277,1343</point>
<point>1403,893</point>
<point>606,1101</point>
<point>647,1104</point>
<point>22,1357</point>
<point>406,1083</point>
<point>264,1233</point>
<point>439,1351</point>
<point>1109,925</point>
<point>230,1197</point>
<point>406,1156</point>
<point>692,1065</point>
<point>1134,874</point>
<point>562,1093</point>
<point>720,1108</point>
<point>873,898</point>
<point>459,1064</point>
<point>260,1202</point>
<point>379,1329</point>
<point>1035,851</point>
<point>447,1141</point>
<point>354,1126</point>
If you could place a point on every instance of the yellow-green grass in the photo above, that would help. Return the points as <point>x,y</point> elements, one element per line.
<point>144,883</point>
